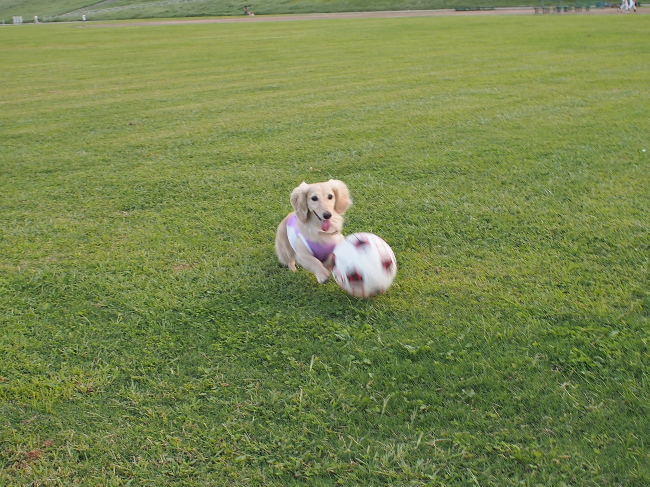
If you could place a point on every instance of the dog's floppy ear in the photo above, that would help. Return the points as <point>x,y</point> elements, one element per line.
<point>342,195</point>
<point>299,201</point>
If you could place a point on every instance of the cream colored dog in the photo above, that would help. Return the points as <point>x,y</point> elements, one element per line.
<point>308,235</point>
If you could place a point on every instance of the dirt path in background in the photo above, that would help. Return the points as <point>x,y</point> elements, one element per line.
<point>365,15</point>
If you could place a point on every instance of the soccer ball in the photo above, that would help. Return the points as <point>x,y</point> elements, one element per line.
<point>364,265</point>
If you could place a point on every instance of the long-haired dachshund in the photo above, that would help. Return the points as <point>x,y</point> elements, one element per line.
<point>308,235</point>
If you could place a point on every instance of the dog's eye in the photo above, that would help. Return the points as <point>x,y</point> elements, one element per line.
<point>330,196</point>
<point>314,198</point>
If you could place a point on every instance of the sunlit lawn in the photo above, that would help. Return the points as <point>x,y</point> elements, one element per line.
<point>149,336</point>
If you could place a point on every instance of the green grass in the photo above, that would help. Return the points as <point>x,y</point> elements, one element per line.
<point>149,337</point>
<point>42,8</point>
<point>126,9</point>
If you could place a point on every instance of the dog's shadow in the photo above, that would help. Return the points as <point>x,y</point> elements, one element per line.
<point>279,302</point>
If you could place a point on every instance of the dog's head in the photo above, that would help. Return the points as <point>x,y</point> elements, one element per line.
<point>327,202</point>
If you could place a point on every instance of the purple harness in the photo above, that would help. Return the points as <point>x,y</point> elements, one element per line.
<point>318,250</point>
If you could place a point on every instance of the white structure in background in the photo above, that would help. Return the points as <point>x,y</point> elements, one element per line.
<point>18,19</point>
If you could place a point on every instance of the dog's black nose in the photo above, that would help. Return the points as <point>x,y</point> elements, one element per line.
<point>327,215</point>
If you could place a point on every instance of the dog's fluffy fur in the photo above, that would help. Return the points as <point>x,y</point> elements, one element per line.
<point>313,204</point>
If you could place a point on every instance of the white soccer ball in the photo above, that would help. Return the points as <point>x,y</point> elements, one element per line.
<point>364,265</point>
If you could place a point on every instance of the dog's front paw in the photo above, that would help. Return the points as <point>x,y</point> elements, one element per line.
<point>323,277</point>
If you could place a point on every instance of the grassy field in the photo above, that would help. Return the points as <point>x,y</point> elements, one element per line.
<point>126,9</point>
<point>148,335</point>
